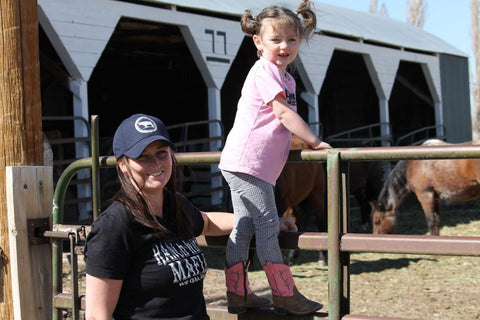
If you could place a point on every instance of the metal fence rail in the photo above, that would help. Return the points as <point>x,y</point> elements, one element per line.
<point>338,240</point>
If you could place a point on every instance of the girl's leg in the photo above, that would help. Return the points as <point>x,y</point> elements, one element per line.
<point>239,296</point>
<point>255,213</point>
<point>243,230</point>
<point>258,204</point>
<point>266,223</point>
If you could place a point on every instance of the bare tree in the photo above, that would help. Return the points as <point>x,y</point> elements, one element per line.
<point>475,11</point>
<point>383,10</point>
<point>416,12</point>
<point>373,8</point>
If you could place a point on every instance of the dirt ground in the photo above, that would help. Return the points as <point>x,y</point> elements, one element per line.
<point>389,285</point>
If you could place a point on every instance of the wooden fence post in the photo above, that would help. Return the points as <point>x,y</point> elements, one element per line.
<point>29,202</point>
<point>20,114</point>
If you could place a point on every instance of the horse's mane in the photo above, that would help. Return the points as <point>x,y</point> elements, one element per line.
<point>395,188</point>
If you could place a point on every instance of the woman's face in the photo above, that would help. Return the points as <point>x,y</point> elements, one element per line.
<point>152,169</point>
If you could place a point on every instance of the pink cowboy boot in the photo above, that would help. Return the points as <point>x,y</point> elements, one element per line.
<point>239,296</point>
<point>286,298</point>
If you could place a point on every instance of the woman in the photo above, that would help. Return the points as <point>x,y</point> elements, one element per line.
<point>142,258</point>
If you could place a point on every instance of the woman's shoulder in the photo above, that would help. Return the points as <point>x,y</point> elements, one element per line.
<point>186,205</point>
<point>193,212</point>
<point>116,208</point>
<point>115,215</point>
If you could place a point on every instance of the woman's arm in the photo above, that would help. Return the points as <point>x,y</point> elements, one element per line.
<point>101,297</point>
<point>221,223</point>
<point>293,122</point>
<point>217,223</point>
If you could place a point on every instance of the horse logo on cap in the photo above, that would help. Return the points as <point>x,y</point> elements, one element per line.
<point>145,125</point>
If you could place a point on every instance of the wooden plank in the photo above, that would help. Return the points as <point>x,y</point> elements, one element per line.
<point>221,313</point>
<point>412,244</point>
<point>29,196</point>
<point>20,114</point>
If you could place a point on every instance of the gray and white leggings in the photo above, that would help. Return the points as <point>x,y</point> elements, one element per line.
<point>255,214</point>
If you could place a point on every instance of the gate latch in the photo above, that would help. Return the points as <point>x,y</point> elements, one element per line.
<point>36,229</point>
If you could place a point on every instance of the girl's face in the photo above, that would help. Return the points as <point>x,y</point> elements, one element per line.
<point>152,169</point>
<point>278,44</point>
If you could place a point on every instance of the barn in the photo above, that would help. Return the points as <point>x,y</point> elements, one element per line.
<point>185,61</point>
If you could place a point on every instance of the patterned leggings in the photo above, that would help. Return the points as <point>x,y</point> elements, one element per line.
<point>255,214</point>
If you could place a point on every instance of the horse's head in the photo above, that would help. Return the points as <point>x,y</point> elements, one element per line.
<point>383,220</point>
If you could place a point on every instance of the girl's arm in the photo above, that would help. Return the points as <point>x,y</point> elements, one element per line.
<point>293,122</point>
<point>101,297</point>
<point>221,223</point>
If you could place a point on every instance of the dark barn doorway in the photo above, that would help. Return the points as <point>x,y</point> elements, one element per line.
<point>411,105</point>
<point>347,99</point>
<point>146,67</point>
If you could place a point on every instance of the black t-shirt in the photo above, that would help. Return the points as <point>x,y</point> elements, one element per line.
<point>162,277</point>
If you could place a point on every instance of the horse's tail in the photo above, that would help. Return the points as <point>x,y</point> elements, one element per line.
<point>395,188</point>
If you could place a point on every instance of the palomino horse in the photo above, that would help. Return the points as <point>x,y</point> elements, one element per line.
<point>431,181</point>
<point>301,190</point>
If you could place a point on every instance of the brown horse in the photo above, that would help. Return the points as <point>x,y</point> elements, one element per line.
<point>301,190</point>
<point>299,182</point>
<point>302,187</point>
<point>431,181</point>
<point>306,182</point>
<point>365,181</point>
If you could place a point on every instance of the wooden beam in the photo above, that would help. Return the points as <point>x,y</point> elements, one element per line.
<point>20,114</point>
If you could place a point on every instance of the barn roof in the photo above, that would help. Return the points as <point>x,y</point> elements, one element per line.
<point>334,20</point>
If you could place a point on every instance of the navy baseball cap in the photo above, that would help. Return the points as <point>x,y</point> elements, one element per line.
<point>135,133</point>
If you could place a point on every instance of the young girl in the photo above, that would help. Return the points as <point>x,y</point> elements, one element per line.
<point>256,150</point>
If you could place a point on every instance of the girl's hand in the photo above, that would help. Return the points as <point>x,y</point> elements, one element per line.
<point>322,145</point>
<point>288,225</point>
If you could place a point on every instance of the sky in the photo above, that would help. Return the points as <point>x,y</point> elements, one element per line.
<point>447,19</point>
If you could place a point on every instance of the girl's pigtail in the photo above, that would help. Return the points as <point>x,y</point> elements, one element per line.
<point>248,23</point>
<point>308,16</point>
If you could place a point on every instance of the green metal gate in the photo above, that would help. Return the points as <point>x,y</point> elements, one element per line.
<point>338,241</point>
